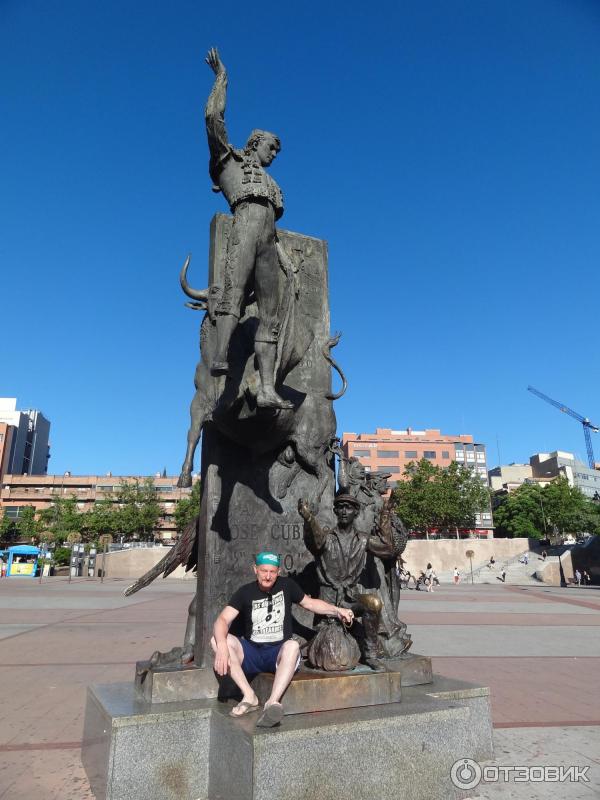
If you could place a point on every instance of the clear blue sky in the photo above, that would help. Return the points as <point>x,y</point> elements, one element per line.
<point>447,150</point>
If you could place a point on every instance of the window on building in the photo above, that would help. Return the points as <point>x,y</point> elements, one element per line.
<point>361,453</point>
<point>470,456</point>
<point>13,512</point>
<point>445,454</point>
<point>410,454</point>
<point>460,454</point>
<point>393,468</point>
<point>388,454</point>
<point>1,437</point>
<point>429,454</point>
<point>480,456</point>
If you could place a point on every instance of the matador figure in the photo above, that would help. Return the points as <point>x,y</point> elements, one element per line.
<point>253,262</point>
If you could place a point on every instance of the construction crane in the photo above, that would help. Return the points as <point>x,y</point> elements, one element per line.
<point>587,425</point>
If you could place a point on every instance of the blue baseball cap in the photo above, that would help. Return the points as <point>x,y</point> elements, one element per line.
<point>272,559</point>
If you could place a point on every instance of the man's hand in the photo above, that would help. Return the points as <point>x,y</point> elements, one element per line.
<point>221,665</point>
<point>346,615</point>
<point>304,509</point>
<point>214,62</point>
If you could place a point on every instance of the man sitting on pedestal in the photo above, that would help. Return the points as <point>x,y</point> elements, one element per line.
<point>267,646</point>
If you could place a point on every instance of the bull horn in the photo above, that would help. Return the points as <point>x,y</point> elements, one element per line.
<point>195,294</point>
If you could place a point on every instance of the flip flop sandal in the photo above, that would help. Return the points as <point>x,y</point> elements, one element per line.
<point>271,716</point>
<point>247,708</point>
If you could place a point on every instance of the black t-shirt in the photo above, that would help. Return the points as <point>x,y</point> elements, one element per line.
<point>267,616</point>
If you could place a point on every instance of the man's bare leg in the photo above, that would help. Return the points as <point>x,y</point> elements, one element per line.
<point>287,661</point>
<point>236,656</point>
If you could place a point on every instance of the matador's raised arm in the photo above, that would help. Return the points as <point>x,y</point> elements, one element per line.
<point>314,535</point>
<point>214,115</point>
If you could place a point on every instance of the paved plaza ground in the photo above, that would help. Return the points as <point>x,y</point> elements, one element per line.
<point>536,647</point>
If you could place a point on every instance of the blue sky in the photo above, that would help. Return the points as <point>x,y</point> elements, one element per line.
<point>448,152</point>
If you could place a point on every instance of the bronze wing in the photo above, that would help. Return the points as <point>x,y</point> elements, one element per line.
<point>183,553</point>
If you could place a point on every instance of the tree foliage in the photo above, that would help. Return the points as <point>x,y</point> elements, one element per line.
<point>9,533</point>
<point>62,517</point>
<point>538,511</point>
<point>188,507</point>
<point>434,497</point>
<point>138,510</point>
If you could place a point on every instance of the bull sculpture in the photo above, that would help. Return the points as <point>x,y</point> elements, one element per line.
<point>231,403</point>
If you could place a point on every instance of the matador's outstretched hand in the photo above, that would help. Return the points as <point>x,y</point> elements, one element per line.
<point>214,62</point>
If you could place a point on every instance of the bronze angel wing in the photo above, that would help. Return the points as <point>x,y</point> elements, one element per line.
<point>183,553</point>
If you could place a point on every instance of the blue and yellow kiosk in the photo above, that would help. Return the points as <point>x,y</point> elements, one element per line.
<point>22,561</point>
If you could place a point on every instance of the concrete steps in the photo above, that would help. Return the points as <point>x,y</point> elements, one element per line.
<point>517,574</point>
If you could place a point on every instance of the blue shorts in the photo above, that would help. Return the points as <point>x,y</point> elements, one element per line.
<point>259,657</point>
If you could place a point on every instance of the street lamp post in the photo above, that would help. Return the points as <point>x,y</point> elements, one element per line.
<point>469,554</point>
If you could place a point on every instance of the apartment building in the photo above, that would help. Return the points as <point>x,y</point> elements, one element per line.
<point>544,468</point>
<point>24,440</point>
<point>389,450</point>
<point>19,491</point>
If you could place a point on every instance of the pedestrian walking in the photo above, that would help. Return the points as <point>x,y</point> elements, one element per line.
<point>544,555</point>
<point>578,577</point>
<point>456,576</point>
<point>429,577</point>
<point>586,578</point>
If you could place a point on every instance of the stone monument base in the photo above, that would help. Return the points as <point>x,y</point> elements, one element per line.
<point>180,684</point>
<point>194,751</point>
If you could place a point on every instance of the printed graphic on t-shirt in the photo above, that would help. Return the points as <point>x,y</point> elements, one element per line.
<point>267,618</point>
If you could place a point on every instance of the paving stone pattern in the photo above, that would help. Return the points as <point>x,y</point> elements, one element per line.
<point>536,647</point>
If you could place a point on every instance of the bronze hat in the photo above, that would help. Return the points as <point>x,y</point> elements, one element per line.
<point>346,498</point>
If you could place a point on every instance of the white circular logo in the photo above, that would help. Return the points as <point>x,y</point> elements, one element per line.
<point>465,773</point>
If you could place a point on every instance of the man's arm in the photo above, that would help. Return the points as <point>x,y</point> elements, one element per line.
<point>314,535</point>
<point>326,609</point>
<point>220,631</point>
<point>214,113</point>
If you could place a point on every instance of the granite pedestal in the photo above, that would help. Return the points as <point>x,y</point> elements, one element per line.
<point>194,751</point>
<point>170,684</point>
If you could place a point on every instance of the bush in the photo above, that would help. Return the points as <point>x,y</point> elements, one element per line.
<point>61,556</point>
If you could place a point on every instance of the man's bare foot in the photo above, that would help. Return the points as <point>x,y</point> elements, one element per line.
<point>245,706</point>
<point>271,716</point>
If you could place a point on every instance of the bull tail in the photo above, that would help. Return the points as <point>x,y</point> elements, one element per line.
<point>327,356</point>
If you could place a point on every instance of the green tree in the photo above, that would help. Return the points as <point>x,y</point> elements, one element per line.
<point>139,510</point>
<point>187,508</point>
<point>566,507</point>
<point>461,496</point>
<point>521,513</point>
<point>8,530</point>
<point>102,518</point>
<point>537,511</point>
<point>415,499</point>
<point>433,497</point>
<point>62,517</point>
<point>29,526</point>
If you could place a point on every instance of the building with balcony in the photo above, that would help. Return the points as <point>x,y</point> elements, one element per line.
<point>389,450</point>
<point>547,466</point>
<point>19,491</point>
<point>544,468</point>
<point>24,440</point>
